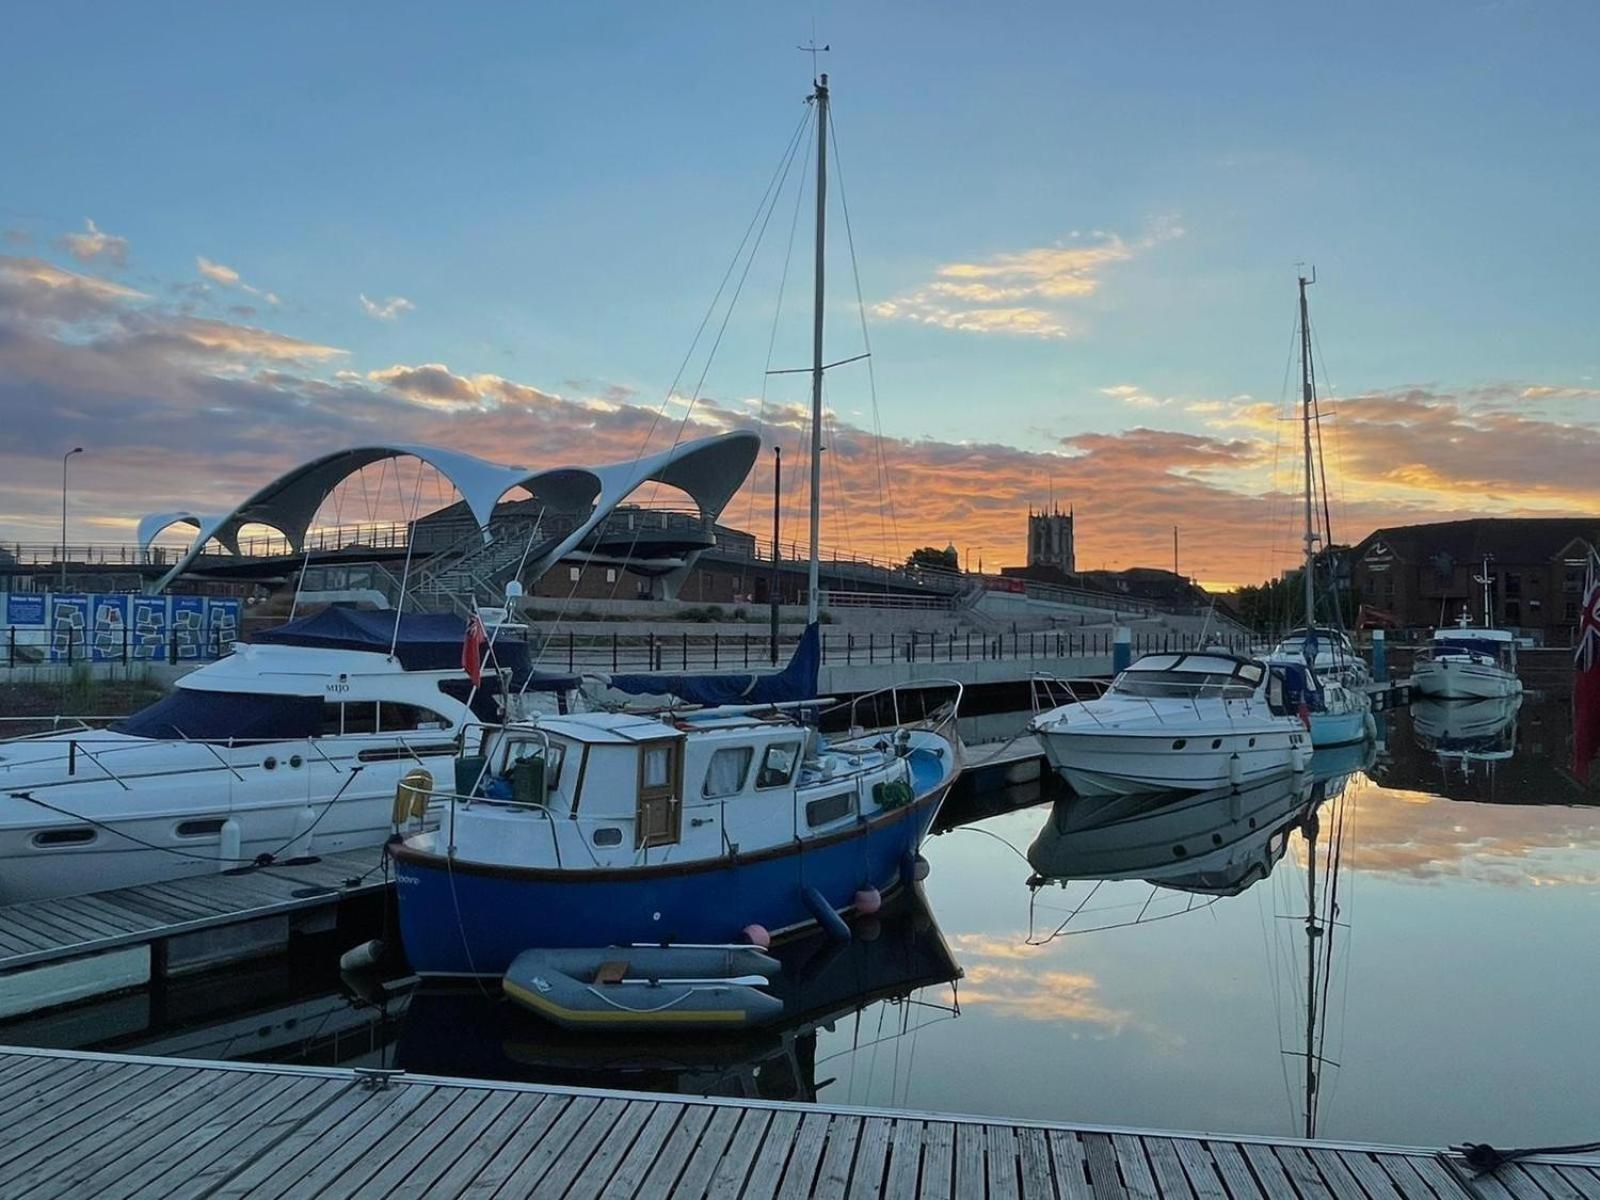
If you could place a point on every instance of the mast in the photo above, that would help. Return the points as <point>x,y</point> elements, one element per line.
<point>1306,399</point>
<point>1313,932</point>
<point>812,578</point>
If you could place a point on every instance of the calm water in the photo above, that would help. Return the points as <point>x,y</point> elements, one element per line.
<point>1455,977</point>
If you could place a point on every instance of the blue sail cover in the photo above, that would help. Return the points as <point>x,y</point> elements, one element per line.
<point>425,642</point>
<point>797,681</point>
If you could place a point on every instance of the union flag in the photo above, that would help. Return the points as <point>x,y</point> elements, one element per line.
<point>1586,679</point>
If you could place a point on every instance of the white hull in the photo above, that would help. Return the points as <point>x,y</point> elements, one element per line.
<point>160,817</point>
<point>1111,762</point>
<point>1454,679</point>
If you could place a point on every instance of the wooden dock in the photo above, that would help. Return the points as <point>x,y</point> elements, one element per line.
<point>55,951</point>
<point>109,1126</point>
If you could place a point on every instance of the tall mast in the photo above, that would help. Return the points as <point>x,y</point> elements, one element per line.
<point>1313,932</point>
<point>1305,403</point>
<point>812,579</point>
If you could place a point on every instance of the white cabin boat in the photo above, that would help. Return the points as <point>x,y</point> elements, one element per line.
<point>1468,663</point>
<point>288,747</point>
<point>1178,722</point>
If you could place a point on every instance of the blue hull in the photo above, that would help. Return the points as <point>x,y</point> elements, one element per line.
<point>1337,729</point>
<point>471,919</point>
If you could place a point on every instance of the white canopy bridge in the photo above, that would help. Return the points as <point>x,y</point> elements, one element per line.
<point>471,553</point>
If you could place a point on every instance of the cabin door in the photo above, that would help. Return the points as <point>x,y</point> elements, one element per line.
<point>660,816</point>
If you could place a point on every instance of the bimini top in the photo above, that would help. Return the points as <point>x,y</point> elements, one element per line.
<point>710,470</point>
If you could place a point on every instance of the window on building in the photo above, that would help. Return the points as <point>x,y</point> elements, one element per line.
<point>1571,613</point>
<point>574,574</point>
<point>611,574</point>
<point>1513,584</point>
<point>1513,612</point>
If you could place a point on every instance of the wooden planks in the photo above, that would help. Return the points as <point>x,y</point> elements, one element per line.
<point>42,931</point>
<point>84,1124</point>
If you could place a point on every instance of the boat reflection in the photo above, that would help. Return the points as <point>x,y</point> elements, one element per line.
<point>1467,730</point>
<point>455,1031</point>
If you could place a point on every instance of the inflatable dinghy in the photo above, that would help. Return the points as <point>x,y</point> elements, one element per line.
<point>645,987</point>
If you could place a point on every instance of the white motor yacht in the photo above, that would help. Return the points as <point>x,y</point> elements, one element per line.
<point>1178,722</point>
<point>290,746</point>
<point>1468,663</point>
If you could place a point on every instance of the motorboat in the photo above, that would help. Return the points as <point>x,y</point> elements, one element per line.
<point>1468,663</point>
<point>679,827</point>
<point>290,746</point>
<point>1180,722</point>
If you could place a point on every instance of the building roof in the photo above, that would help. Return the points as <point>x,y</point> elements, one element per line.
<point>1507,539</point>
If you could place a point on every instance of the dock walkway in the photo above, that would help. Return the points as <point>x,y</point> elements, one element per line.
<point>79,1125</point>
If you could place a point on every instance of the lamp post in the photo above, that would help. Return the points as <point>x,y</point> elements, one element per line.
<point>64,457</point>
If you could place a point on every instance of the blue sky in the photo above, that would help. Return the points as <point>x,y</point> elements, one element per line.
<point>555,192</point>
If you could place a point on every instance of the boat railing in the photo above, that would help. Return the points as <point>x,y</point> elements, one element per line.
<point>1046,689</point>
<point>936,718</point>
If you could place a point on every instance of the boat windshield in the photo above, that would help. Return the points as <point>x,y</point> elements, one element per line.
<point>1461,644</point>
<point>189,714</point>
<point>1189,675</point>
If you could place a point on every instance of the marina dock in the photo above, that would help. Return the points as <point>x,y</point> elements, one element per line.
<point>56,951</point>
<point>109,1126</point>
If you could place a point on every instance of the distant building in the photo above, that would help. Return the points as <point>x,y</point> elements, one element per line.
<point>1423,575</point>
<point>1050,541</point>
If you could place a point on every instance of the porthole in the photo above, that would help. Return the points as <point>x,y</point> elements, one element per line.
<point>608,835</point>
<point>1180,851</point>
<point>1216,839</point>
<point>205,828</point>
<point>296,761</point>
<point>1216,743</point>
<point>1180,743</point>
<point>269,763</point>
<point>1252,741</point>
<point>80,835</point>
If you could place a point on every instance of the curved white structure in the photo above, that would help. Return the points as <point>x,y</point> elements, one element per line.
<point>1177,722</point>
<point>710,470</point>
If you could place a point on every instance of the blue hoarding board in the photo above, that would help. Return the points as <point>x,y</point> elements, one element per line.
<point>69,628</point>
<point>188,627</point>
<point>25,610</point>
<point>222,626</point>
<point>147,629</point>
<point>108,631</point>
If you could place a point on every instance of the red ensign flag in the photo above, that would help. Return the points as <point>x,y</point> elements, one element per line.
<point>472,649</point>
<point>1586,681</point>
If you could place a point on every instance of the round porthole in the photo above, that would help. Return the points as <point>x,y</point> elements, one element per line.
<point>1180,743</point>
<point>296,761</point>
<point>1179,852</point>
<point>1252,741</point>
<point>270,763</point>
<point>1216,743</point>
<point>1216,839</point>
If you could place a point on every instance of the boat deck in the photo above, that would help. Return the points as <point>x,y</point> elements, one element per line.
<point>108,1126</point>
<point>44,931</point>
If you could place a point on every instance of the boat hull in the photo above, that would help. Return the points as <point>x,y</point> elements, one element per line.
<point>461,918</point>
<point>1444,679</point>
<point>1338,728</point>
<point>1110,763</point>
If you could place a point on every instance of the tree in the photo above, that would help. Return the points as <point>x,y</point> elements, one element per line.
<point>931,556</point>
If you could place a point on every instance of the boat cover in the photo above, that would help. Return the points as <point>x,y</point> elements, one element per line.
<point>797,681</point>
<point>425,642</point>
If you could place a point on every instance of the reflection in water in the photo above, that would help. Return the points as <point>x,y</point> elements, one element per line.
<point>1337,942</point>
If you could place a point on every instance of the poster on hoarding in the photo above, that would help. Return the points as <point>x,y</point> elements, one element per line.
<point>25,610</point>
<point>69,628</point>
<point>108,630</point>
<point>222,626</point>
<point>187,623</point>
<point>147,629</point>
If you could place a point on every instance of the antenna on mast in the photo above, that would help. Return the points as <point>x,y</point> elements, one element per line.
<point>813,49</point>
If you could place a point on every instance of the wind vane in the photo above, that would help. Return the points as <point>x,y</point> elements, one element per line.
<point>813,49</point>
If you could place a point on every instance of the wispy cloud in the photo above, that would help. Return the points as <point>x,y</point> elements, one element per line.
<point>1020,292</point>
<point>226,276</point>
<point>1133,397</point>
<point>95,243</point>
<point>388,310</point>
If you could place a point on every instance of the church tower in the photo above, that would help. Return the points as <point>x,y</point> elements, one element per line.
<point>1050,540</point>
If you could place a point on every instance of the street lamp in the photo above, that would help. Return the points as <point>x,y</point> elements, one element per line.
<point>64,457</point>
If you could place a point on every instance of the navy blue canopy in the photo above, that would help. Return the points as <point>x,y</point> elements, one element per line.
<point>797,681</point>
<point>426,641</point>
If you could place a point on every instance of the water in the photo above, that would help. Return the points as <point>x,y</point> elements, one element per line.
<point>1454,977</point>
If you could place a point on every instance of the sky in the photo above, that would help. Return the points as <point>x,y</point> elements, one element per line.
<point>231,240</point>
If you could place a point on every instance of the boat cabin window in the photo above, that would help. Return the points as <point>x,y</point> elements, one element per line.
<point>361,716</point>
<point>1183,684</point>
<point>394,717</point>
<point>830,809</point>
<point>727,772</point>
<point>548,757</point>
<point>778,764</point>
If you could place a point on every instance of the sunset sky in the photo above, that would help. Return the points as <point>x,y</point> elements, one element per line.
<point>233,238</point>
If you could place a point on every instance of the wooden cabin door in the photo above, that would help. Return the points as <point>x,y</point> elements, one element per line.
<point>660,816</point>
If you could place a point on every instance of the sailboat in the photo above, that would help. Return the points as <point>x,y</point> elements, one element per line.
<point>1470,662</point>
<point>730,822</point>
<point>1338,709</point>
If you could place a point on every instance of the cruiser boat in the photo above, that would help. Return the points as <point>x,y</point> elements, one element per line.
<point>1468,663</point>
<point>290,746</point>
<point>1181,722</point>
<point>677,827</point>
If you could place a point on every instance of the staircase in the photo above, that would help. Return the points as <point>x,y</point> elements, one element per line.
<point>471,573</point>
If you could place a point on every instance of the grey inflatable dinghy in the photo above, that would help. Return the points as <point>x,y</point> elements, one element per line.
<point>645,987</point>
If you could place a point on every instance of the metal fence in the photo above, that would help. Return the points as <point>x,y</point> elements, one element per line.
<point>30,647</point>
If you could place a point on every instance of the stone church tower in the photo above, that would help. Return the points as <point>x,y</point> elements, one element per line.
<point>1050,540</point>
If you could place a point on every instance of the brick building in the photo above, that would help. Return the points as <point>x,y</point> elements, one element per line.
<point>1424,574</point>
